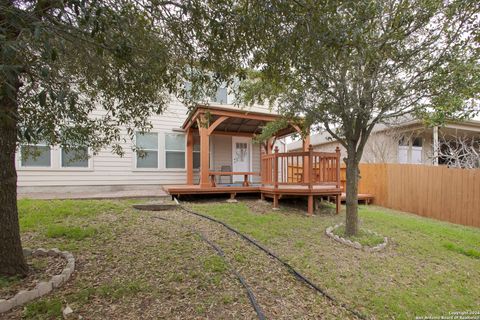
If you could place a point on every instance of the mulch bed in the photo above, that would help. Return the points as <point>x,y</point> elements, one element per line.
<point>40,269</point>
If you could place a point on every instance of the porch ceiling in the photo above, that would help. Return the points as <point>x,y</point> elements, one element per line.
<point>234,120</point>
<point>239,125</point>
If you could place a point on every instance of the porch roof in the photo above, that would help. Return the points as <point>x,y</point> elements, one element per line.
<point>226,120</point>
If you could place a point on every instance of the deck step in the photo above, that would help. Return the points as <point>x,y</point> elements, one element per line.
<point>365,197</point>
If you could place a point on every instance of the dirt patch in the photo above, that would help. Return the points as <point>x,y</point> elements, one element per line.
<point>40,269</point>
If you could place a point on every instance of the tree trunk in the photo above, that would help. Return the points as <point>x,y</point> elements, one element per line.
<point>12,261</point>
<point>351,201</point>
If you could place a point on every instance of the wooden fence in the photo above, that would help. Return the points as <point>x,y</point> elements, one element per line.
<point>432,191</point>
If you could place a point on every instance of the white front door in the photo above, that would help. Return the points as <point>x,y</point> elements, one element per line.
<point>241,156</point>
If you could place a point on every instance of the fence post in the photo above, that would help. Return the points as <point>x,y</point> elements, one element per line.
<point>310,167</point>
<point>275,168</point>
<point>337,150</point>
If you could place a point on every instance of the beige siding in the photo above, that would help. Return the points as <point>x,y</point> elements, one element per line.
<point>108,169</point>
<point>222,152</point>
<point>256,154</point>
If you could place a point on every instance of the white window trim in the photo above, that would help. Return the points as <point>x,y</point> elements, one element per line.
<point>135,168</point>
<point>88,168</point>
<point>165,152</point>
<point>20,166</point>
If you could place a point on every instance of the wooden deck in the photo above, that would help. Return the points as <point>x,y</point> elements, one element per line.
<point>299,190</point>
<point>178,190</point>
<point>320,176</point>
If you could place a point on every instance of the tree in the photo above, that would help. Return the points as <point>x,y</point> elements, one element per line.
<point>346,66</point>
<point>459,151</point>
<point>61,60</point>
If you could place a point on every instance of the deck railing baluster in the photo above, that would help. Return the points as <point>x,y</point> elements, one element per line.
<point>288,168</point>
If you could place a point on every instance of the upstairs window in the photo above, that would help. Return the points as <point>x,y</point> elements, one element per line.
<point>174,151</point>
<point>147,155</point>
<point>38,155</point>
<point>221,96</point>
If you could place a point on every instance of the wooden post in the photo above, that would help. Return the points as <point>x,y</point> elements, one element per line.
<point>310,205</point>
<point>275,201</point>
<point>204,152</point>
<point>275,169</point>
<point>338,203</point>
<point>190,143</point>
<point>337,150</point>
<point>310,167</point>
<point>306,173</point>
<point>269,146</point>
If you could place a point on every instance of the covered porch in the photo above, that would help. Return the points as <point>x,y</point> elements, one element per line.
<point>219,142</point>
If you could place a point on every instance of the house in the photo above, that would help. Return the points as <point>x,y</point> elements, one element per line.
<point>162,160</point>
<point>407,141</point>
<point>207,150</point>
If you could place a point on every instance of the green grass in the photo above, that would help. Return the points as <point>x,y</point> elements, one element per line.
<point>8,281</point>
<point>35,215</point>
<point>427,268</point>
<point>364,238</point>
<point>44,309</point>
<point>74,233</point>
<point>214,264</point>
<point>121,289</point>
<point>466,252</point>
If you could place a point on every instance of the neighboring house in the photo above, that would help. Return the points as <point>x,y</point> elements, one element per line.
<point>404,142</point>
<point>162,160</point>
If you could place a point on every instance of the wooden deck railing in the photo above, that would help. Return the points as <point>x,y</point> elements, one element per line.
<point>307,168</point>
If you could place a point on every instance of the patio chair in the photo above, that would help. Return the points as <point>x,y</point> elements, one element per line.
<point>225,169</point>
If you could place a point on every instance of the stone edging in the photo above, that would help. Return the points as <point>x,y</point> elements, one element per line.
<point>355,244</point>
<point>42,288</point>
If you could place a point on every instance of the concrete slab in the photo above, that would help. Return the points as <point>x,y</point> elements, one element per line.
<point>152,192</point>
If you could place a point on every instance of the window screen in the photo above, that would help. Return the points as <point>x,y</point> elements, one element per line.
<point>147,155</point>
<point>75,158</point>
<point>175,151</point>
<point>35,156</point>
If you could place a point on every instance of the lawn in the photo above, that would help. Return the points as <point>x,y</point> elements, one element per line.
<point>139,264</point>
<point>429,267</point>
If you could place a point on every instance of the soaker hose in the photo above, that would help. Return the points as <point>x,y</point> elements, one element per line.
<point>241,279</point>
<point>297,274</point>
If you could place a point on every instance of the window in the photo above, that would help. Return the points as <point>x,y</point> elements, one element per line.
<point>410,150</point>
<point>38,155</point>
<point>175,151</point>
<point>403,145</point>
<point>196,156</point>
<point>75,157</point>
<point>147,155</point>
<point>417,142</point>
<point>221,95</point>
<point>196,152</point>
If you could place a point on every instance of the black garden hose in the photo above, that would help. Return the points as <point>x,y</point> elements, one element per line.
<point>297,274</point>
<point>219,251</point>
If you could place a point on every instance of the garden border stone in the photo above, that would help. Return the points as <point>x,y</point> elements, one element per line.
<point>355,244</point>
<point>42,288</point>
